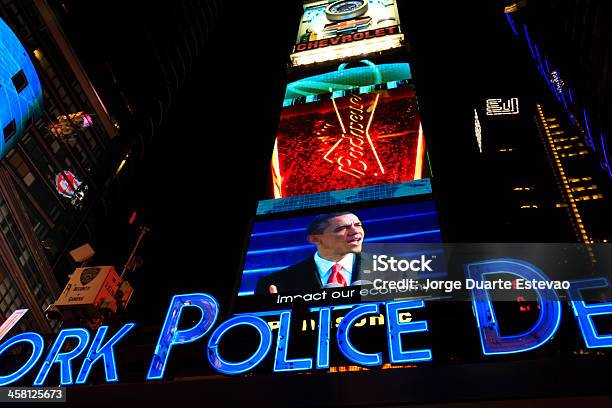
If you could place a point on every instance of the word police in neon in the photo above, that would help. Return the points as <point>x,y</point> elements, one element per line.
<point>492,341</point>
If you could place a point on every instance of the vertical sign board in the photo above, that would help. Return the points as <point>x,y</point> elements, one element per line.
<point>354,127</point>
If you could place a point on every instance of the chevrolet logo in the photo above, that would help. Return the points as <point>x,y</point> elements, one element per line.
<point>346,25</point>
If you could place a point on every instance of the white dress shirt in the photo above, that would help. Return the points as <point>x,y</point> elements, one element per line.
<point>325,267</point>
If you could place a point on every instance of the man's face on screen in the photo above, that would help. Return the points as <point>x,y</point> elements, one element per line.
<point>343,235</point>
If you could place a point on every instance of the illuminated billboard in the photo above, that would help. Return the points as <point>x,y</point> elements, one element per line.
<point>563,322</point>
<point>67,184</point>
<point>281,250</point>
<point>67,126</point>
<point>345,79</point>
<point>346,28</point>
<point>348,142</point>
<point>20,91</point>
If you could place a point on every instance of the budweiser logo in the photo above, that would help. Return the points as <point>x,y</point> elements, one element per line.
<point>354,153</point>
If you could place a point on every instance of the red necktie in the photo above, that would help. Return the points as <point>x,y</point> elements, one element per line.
<point>336,276</point>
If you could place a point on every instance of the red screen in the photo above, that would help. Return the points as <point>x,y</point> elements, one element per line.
<point>348,142</point>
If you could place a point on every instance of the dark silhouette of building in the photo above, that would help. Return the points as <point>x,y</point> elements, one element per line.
<point>576,36</point>
<point>569,46</point>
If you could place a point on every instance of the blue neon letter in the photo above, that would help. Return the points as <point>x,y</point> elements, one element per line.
<point>344,343</point>
<point>228,367</point>
<point>170,335</point>
<point>105,352</point>
<point>550,308</point>
<point>323,344</point>
<point>395,330</point>
<point>584,312</point>
<point>282,344</point>
<point>34,339</point>
<point>38,346</point>
<point>63,359</point>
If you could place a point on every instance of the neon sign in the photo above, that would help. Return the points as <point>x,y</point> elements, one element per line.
<point>396,327</point>
<point>478,130</point>
<point>496,107</point>
<point>354,136</point>
<point>67,184</point>
<point>347,38</point>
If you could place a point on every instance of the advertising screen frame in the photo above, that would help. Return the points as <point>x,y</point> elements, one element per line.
<point>245,305</point>
<point>325,35</point>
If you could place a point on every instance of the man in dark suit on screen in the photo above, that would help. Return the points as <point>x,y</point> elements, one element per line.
<point>337,262</point>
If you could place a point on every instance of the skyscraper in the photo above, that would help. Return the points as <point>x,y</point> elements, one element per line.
<point>50,175</point>
<point>566,43</point>
<point>574,35</point>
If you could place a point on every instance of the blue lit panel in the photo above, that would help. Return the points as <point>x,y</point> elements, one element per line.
<point>345,79</point>
<point>349,196</point>
<point>20,91</point>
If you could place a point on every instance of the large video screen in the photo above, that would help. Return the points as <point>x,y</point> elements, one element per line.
<point>281,252</point>
<point>341,29</point>
<point>357,140</point>
<point>21,95</point>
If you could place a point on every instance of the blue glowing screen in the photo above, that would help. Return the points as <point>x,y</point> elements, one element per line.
<point>277,244</point>
<point>20,91</point>
<point>347,78</point>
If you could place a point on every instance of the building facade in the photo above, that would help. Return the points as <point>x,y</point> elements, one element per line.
<point>62,147</point>
<point>60,181</point>
<point>565,44</point>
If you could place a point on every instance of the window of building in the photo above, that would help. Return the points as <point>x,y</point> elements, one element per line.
<point>29,179</point>
<point>55,213</point>
<point>55,146</point>
<point>9,130</point>
<point>21,168</point>
<point>9,298</point>
<point>20,81</point>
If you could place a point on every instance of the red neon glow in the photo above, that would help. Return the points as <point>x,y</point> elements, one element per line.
<point>349,142</point>
<point>418,160</point>
<point>354,137</point>
<point>277,180</point>
<point>87,120</point>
